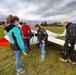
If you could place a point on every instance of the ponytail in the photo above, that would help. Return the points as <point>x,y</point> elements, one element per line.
<point>14,18</point>
<point>8,19</point>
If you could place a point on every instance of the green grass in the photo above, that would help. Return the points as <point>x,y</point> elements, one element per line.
<point>58,29</point>
<point>1,31</point>
<point>50,66</point>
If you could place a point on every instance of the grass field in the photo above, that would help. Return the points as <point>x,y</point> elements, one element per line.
<point>58,29</point>
<point>50,66</point>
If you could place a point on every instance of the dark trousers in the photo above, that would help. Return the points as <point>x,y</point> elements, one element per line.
<point>71,51</point>
<point>27,46</point>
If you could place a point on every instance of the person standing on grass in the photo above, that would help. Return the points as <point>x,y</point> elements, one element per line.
<point>26,35</point>
<point>42,37</point>
<point>16,42</point>
<point>69,42</point>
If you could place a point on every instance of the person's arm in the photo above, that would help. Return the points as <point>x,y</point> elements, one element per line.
<point>5,30</point>
<point>30,32</point>
<point>17,34</point>
<point>72,34</point>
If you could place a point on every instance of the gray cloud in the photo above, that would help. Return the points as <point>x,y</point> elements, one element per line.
<point>70,7</point>
<point>39,10</point>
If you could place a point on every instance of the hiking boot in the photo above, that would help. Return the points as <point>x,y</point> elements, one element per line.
<point>71,61</point>
<point>61,59</point>
<point>20,72</point>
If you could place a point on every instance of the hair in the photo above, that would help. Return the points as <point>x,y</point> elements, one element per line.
<point>25,23</point>
<point>37,26</point>
<point>21,23</point>
<point>9,17</point>
<point>14,18</point>
<point>66,22</point>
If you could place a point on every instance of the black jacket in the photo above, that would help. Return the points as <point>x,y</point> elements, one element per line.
<point>42,35</point>
<point>70,33</point>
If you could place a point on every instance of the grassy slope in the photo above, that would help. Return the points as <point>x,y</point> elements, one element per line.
<point>51,65</point>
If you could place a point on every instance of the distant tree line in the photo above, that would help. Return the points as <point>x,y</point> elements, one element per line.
<point>44,24</point>
<point>51,24</point>
<point>2,22</point>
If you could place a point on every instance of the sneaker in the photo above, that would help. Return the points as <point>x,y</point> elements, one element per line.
<point>71,61</point>
<point>62,60</point>
<point>22,64</point>
<point>42,58</point>
<point>20,72</point>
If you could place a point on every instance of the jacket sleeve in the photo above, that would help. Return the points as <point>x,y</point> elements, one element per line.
<point>45,35</point>
<point>72,34</point>
<point>30,32</point>
<point>17,34</point>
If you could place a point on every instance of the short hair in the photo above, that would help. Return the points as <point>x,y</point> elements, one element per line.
<point>37,25</point>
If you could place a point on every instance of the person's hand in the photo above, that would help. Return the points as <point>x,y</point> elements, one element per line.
<point>43,41</point>
<point>24,53</point>
<point>5,32</point>
<point>69,44</point>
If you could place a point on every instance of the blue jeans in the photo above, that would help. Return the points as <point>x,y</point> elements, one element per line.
<point>18,57</point>
<point>27,46</point>
<point>42,47</point>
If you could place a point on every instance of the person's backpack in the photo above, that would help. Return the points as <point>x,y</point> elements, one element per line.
<point>26,31</point>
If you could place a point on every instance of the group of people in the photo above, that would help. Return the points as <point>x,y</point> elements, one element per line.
<point>20,40</point>
<point>20,35</point>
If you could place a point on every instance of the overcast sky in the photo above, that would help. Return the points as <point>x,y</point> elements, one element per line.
<point>39,10</point>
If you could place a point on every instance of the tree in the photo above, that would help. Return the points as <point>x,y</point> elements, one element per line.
<point>0,23</point>
<point>54,23</point>
<point>44,24</point>
<point>3,22</point>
